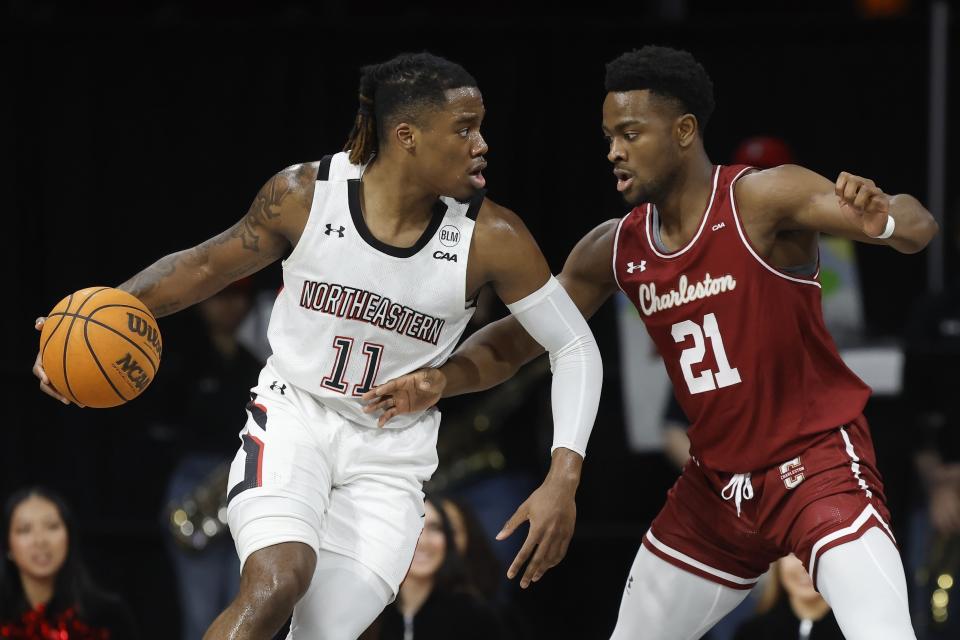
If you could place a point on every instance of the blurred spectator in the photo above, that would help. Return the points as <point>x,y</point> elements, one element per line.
<point>932,358</point>
<point>763,152</point>
<point>45,590</point>
<point>436,599</point>
<point>205,387</point>
<point>790,608</point>
<point>483,569</point>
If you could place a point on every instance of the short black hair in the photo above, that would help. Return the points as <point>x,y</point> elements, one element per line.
<point>400,88</point>
<point>669,73</point>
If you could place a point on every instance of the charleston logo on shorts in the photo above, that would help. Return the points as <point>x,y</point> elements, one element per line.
<point>791,472</point>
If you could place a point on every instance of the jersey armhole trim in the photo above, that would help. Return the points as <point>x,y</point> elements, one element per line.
<point>475,203</point>
<point>616,245</point>
<point>749,245</point>
<point>323,169</point>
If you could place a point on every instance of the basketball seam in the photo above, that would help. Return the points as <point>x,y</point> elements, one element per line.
<point>93,353</point>
<point>66,341</point>
<point>43,349</point>
<point>109,328</point>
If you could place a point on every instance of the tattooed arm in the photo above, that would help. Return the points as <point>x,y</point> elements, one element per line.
<point>275,220</point>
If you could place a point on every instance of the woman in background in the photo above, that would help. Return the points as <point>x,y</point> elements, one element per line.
<point>45,590</point>
<point>436,599</point>
<point>790,609</point>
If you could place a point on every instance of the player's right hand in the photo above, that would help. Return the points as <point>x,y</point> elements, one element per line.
<point>38,371</point>
<point>417,391</point>
<point>863,202</point>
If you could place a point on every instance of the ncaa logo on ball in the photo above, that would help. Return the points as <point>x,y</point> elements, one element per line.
<point>132,372</point>
<point>449,236</point>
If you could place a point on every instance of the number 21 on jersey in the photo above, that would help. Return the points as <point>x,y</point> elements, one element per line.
<point>336,380</point>
<point>708,380</point>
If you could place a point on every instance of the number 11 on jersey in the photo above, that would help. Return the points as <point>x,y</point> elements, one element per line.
<point>344,346</point>
<point>708,380</point>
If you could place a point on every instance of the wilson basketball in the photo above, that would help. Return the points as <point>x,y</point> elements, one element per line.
<point>100,347</point>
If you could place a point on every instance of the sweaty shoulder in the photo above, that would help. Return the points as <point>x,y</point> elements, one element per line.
<point>496,223</point>
<point>503,252</point>
<point>286,198</point>
<point>498,236</point>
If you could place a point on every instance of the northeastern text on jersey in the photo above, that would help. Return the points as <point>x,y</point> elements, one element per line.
<point>365,306</point>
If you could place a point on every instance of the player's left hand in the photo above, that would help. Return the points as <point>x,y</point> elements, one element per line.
<point>863,202</point>
<point>552,512</point>
<point>416,391</point>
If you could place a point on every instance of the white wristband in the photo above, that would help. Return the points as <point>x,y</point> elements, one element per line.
<point>888,230</point>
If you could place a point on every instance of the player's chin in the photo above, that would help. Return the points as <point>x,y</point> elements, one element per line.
<point>463,191</point>
<point>634,196</point>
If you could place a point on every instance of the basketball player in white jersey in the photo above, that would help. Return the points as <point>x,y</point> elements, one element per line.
<point>721,263</point>
<point>391,242</point>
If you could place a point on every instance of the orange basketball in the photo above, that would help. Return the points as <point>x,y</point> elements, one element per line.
<point>100,347</point>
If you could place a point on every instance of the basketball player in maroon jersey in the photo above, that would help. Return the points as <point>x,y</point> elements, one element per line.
<point>721,263</point>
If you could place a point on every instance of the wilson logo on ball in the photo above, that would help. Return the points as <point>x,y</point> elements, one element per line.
<point>100,347</point>
<point>141,327</point>
<point>133,371</point>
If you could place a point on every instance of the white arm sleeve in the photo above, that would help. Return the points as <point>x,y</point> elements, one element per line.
<point>553,320</point>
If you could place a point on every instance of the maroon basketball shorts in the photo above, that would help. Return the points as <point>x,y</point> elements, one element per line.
<point>728,528</point>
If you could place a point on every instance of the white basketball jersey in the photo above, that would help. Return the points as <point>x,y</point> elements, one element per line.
<point>355,312</point>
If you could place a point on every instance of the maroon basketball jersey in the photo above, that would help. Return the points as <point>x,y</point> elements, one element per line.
<point>744,343</point>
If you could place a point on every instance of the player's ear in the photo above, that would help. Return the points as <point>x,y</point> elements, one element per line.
<point>406,135</point>
<point>685,129</point>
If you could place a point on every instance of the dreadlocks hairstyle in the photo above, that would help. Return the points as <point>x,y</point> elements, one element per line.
<point>668,73</point>
<point>400,89</point>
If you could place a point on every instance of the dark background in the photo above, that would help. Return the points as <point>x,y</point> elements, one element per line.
<point>129,132</point>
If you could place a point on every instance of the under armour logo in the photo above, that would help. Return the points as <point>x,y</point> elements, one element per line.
<point>629,582</point>
<point>339,231</point>
<point>633,267</point>
<point>276,387</point>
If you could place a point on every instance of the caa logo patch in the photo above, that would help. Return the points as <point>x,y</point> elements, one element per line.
<point>449,236</point>
<point>440,255</point>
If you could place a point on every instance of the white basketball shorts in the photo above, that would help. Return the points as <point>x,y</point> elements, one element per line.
<point>304,473</point>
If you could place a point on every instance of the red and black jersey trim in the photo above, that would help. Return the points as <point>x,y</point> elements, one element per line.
<point>253,466</point>
<point>257,411</point>
<point>253,448</point>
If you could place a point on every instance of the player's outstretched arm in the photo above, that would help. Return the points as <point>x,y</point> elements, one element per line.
<point>851,207</point>
<point>496,352</point>
<point>187,277</point>
<point>508,258</point>
<point>262,236</point>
